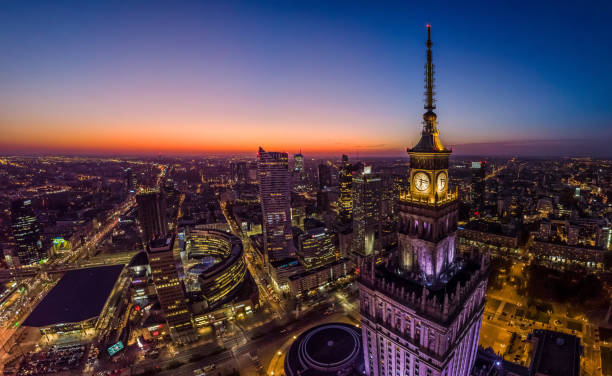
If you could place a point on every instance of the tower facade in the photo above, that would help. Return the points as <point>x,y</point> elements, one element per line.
<point>421,309</point>
<point>478,185</point>
<point>345,196</point>
<point>274,191</point>
<point>152,214</point>
<point>169,289</point>
<point>26,231</point>
<point>366,211</point>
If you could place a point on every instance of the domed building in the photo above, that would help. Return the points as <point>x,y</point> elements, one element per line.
<point>326,350</point>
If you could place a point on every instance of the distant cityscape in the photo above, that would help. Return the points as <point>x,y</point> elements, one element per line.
<point>285,263</point>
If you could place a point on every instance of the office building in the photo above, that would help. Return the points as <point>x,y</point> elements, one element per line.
<point>26,231</point>
<point>478,185</point>
<point>366,211</point>
<point>274,191</point>
<point>421,309</point>
<point>345,197</point>
<point>152,214</point>
<point>169,288</point>
<point>298,163</point>
<point>317,248</point>
<point>130,181</point>
<point>239,172</point>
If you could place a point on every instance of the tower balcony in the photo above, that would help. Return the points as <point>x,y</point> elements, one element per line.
<point>407,198</point>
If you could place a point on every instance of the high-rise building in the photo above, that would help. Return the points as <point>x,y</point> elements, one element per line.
<point>325,183</point>
<point>421,309</point>
<point>366,211</point>
<point>170,292</point>
<point>325,176</point>
<point>26,231</point>
<point>317,248</point>
<point>239,172</point>
<point>152,214</point>
<point>130,180</point>
<point>478,185</point>
<point>297,176</point>
<point>604,238</point>
<point>274,191</point>
<point>345,197</point>
<point>298,163</point>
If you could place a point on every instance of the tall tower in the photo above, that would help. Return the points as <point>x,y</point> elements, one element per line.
<point>366,211</point>
<point>274,191</point>
<point>26,231</point>
<point>421,309</point>
<point>152,214</point>
<point>345,197</point>
<point>169,288</point>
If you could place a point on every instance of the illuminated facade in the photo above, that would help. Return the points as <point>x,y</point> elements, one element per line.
<point>366,211</point>
<point>297,176</point>
<point>345,198</point>
<point>169,289</point>
<point>26,231</point>
<point>317,248</point>
<point>421,309</point>
<point>222,271</point>
<point>274,190</point>
<point>298,163</point>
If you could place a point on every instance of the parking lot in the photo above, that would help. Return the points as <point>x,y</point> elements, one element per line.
<point>56,359</point>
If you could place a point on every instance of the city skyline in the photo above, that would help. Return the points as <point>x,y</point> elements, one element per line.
<point>327,79</point>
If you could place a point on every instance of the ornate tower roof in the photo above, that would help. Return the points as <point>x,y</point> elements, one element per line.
<point>430,141</point>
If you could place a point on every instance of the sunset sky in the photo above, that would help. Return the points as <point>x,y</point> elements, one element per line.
<point>131,77</point>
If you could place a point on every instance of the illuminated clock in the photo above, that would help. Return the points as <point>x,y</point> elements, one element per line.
<point>441,181</point>
<point>421,181</point>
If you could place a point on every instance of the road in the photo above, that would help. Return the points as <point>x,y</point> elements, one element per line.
<point>256,270</point>
<point>266,346</point>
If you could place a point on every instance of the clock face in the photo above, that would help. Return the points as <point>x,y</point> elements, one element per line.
<point>421,181</point>
<point>441,181</point>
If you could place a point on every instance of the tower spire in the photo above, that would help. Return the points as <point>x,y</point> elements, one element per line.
<point>429,117</point>
<point>429,72</point>
<point>429,136</point>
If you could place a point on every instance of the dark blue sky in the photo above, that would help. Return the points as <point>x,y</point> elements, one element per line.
<point>330,76</point>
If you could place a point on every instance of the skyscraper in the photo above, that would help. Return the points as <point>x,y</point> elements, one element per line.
<point>366,211</point>
<point>169,289</point>
<point>421,310</point>
<point>130,181</point>
<point>298,163</point>
<point>26,231</point>
<point>152,214</point>
<point>345,197</point>
<point>297,176</point>
<point>325,183</point>
<point>239,172</point>
<point>274,191</point>
<point>478,185</point>
<point>325,176</point>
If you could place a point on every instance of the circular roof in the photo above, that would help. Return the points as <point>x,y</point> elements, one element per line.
<point>325,349</point>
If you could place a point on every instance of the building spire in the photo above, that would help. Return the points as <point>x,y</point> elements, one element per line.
<point>429,136</point>
<point>429,72</point>
<point>429,117</point>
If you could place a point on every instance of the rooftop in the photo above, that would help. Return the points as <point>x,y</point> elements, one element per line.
<point>80,295</point>
<point>556,354</point>
<point>326,350</point>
